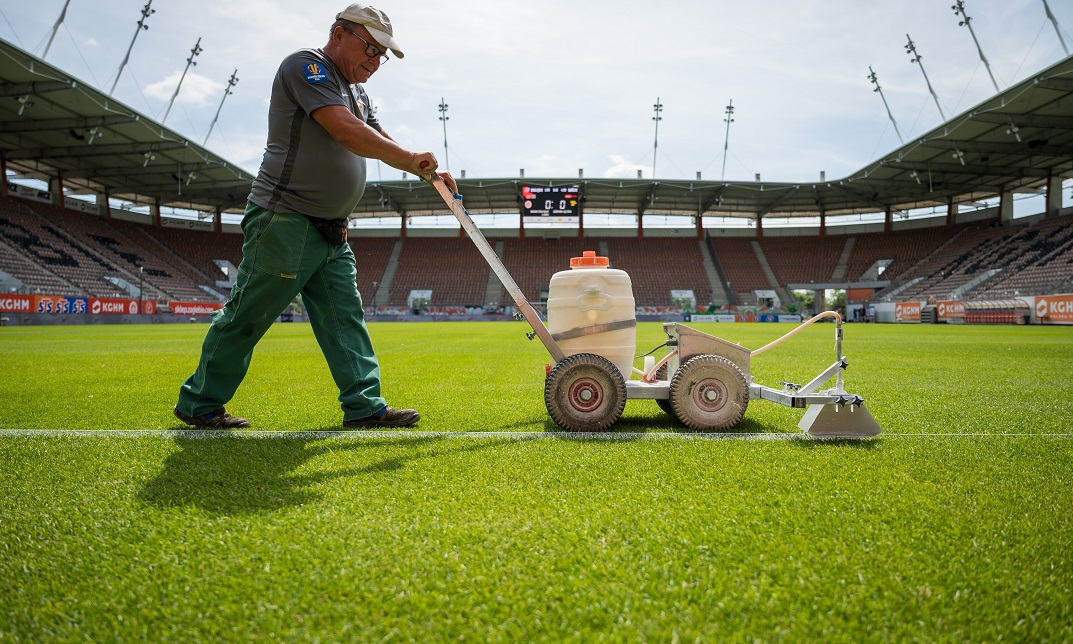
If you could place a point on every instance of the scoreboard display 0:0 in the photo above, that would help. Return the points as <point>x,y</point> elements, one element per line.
<point>543,201</point>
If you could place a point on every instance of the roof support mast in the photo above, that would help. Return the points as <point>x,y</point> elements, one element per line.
<point>726,140</point>
<point>190,62</point>
<point>911,49</point>
<point>146,12</point>
<point>875,80</point>
<point>231,82</point>
<point>444,118</point>
<point>1054,22</point>
<point>657,108</point>
<point>63,14</point>
<point>959,10</point>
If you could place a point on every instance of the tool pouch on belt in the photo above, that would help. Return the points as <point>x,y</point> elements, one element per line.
<point>333,230</point>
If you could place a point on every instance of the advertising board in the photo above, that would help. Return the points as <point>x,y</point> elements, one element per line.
<point>907,312</point>
<point>1054,309</point>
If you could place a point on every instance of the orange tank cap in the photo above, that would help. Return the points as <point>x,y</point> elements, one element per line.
<point>589,260</point>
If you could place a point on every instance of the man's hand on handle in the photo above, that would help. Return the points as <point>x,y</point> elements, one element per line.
<point>422,163</point>
<point>426,169</point>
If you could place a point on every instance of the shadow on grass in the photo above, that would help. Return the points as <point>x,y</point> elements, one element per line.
<point>634,428</point>
<point>229,474</point>
<point>866,443</point>
<point>745,426</point>
<point>528,425</point>
<point>625,425</point>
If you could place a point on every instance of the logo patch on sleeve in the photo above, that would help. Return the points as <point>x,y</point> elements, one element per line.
<point>315,73</point>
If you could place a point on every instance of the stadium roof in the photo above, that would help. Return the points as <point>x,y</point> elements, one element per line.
<point>54,124</point>
<point>1012,142</point>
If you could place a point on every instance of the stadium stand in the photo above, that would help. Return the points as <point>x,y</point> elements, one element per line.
<point>903,248</point>
<point>657,265</point>
<point>955,264</point>
<point>532,261</point>
<point>736,257</point>
<point>372,255</point>
<point>55,252</point>
<point>938,264</point>
<point>51,248</point>
<point>200,249</point>
<point>1036,260</point>
<point>33,278</point>
<point>181,272</point>
<point>803,259</point>
<point>65,252</point>
<point>451,268</point>
<point>107,242</point>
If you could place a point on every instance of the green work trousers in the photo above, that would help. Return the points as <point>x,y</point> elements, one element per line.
<point>284,255</point>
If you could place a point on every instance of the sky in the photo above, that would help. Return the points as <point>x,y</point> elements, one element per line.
<point>552,86</point>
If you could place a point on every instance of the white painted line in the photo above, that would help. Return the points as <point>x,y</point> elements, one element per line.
<point>386,434</point>
<point>424,435</point>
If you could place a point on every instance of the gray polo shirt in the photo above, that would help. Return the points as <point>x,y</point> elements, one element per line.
<point>304,169</point>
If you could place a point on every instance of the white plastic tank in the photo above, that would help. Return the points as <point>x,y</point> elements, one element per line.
<point>591,310</point>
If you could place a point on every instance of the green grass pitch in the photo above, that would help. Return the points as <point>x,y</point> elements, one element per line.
<point>953,525</point>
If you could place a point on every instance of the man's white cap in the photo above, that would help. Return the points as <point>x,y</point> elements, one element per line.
<point>376,22</point>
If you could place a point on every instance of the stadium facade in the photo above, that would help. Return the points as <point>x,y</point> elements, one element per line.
<point>70,154</point>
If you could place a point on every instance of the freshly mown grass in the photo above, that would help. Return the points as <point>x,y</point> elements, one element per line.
<point>952,525</point>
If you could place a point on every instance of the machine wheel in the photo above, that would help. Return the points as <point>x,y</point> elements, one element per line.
<point>585,393</point>
<point>709,392</point>
<point>664,403</point>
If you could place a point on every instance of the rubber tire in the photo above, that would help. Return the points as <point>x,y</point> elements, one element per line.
<point>709,393</point>
<point>585,393</point>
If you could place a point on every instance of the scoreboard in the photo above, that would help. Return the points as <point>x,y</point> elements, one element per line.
<point>542,204</point>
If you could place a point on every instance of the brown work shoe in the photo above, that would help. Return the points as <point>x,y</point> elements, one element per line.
<point>218,419</point>
<point>390,418</point>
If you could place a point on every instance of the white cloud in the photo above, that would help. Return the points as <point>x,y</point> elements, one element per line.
<point>623,168</point>
<point>196,90</point>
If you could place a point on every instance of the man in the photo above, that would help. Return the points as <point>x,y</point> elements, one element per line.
<point>320,130</point>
